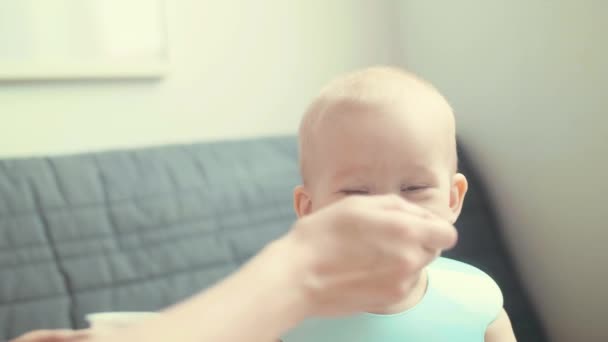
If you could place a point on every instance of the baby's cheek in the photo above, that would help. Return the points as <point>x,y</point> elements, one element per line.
<point>321,201</point>
<point>434,201</point>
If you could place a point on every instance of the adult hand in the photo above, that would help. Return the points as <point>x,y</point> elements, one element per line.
<point>357,254</point>
<point>364,252</point>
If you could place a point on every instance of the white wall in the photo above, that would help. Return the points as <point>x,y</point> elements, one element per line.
<point>528,81</point>
<point>239,68</point>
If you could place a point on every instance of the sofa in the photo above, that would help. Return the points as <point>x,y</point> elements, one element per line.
<point>139,229</point>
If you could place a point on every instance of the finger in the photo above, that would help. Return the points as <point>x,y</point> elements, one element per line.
<point>40,335</point>
<point>393,239</point>
<point>390,201</point>
<point>404,227</point>
<point>394,202</point>
<point>433,234</point>
<point>80,335</point>
<point>407,259</point>
<point>440,235</point>
<point>60,335</point>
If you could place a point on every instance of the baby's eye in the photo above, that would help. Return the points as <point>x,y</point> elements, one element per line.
<point>414,188</point>
<point>351,192</point>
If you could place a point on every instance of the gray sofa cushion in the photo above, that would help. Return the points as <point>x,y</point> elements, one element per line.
<point>134,230</point>
<point>141,229</point>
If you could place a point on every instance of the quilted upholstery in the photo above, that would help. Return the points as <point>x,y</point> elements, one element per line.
<point>144,228</point>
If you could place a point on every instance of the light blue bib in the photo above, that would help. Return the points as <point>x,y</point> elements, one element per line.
<point>459,303</point>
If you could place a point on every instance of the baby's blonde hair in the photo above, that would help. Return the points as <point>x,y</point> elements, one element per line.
<point>371,87</point>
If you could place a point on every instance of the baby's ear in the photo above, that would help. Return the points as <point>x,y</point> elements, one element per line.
<point>457,192</point>
<point>302,202</point>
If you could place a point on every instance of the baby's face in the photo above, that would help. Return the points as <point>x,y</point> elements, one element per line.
<point>372,151</point>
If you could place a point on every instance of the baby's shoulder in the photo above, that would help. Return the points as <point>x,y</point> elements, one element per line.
<point>467,286</point>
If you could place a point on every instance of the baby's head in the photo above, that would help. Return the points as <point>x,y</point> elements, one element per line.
<point>376,131</point>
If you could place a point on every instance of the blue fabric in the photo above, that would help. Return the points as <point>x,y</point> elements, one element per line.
<point>459,304</point>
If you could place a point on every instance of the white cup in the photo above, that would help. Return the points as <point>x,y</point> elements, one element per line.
<point>106,321</point>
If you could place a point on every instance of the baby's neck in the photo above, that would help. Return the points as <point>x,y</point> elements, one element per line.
<point>408,302</point>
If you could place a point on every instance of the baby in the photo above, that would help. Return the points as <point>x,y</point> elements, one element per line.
<point>384,131</point>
